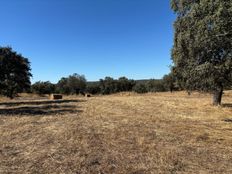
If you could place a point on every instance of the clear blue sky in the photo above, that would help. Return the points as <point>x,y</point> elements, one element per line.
<point>96,38</point>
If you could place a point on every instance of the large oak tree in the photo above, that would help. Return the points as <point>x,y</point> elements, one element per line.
<point>202,51</point>
<point>14,72</point>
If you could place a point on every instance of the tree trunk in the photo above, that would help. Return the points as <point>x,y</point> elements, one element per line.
<point>10,93</point>
<point>217,96</point>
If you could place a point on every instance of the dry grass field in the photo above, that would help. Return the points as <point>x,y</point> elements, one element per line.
<point>125,133</point>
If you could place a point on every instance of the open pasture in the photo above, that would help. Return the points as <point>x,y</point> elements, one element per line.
<point>123,133</point>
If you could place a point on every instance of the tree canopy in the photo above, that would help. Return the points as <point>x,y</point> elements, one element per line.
<point>202,51</point>
<point>43,87</point>
<point>14,72</point>
<point>74,84</point>
<point>110,85</point>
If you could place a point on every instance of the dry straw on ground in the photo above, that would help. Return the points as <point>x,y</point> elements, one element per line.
<point>131,134</point>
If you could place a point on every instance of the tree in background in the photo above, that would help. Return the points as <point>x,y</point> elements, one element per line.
<point>124,84</point>
<point>153,85</point>
<point>14,72</point>
<point>93,88</point>
<point>169,82</point>
<point>62,86</point>
<point>202,51</point>
<point>140,88</point>
<point>77,83</point>
<point>43,88</point>
<point>74,84</point>
<point>108,85</point>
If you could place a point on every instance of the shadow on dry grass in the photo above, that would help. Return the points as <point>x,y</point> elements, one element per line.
<point>227,105</point>
<point>46,107</point>
<point>44,110</point>
<point>42,102</point>
<point>228,120</point>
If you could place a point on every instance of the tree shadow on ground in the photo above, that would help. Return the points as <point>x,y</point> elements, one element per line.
<point>227,105</point>
<point>228,120</point>
<point>40,108</point>
<point>38,102</point>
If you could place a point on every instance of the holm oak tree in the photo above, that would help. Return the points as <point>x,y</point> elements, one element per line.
<point>14,72</point>
<point>202,51</point>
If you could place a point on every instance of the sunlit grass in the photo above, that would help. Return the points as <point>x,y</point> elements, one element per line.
<point>122,133</point>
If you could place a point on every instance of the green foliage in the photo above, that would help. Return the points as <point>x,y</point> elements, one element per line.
<point>77,83</point>
<point>124,84</point>
<point>74,84</point>
<point>14,72</point>
<point>93,88</point>
<point>140,88</point>
<point>202,52</point>
<point>155,86</point>
<point>63,87</point>
<point>43,88</point>
<point>110,85</point>
<point>169,81</point>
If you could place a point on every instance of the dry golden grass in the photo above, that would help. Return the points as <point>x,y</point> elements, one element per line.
<point>123,133</point>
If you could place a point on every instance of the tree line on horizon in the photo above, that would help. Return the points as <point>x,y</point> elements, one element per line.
<point>77,84</point>
<point>201,55</point>
<point>15,78</point>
